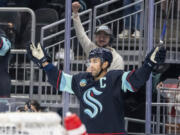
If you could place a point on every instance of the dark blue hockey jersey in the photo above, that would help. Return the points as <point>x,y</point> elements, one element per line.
<point>101,102</point>
<point>5,82</point>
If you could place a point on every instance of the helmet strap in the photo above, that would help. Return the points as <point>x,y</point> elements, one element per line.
<point>99,73</point>
<point>102,61</point>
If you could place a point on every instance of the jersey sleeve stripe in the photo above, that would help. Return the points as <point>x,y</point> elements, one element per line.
<point>5,47</point>
<point>126,85</point>
<point>58,80</point>
<point>129,81</point>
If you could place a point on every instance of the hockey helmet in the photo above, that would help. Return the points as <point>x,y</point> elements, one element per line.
<point>103,53</point>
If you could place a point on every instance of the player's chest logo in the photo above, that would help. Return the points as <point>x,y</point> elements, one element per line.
<point>96,106</point>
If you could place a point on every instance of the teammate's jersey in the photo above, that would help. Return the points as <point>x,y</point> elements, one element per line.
<point>101,102</point>
<point>5,83</point>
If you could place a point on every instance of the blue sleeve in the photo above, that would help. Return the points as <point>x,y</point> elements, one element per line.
<point>6,45</point>
<point>66,83</point>
<point>58,79</point>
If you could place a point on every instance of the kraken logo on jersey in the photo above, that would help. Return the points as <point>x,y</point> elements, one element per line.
<point>83,83</point>
<point>92,102</point>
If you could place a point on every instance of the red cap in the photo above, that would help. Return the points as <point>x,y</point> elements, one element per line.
<point>72,122</point>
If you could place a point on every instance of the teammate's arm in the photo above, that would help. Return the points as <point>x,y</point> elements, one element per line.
<point>5,45</point>
<point>135,79</point>
<point>60,80</point>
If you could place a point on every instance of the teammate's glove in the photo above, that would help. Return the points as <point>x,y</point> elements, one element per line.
<point>156,57</point>
<point>37,54</point>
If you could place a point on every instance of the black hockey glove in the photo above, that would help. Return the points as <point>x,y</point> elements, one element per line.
<point>37,54</point>
<point>156,57</point>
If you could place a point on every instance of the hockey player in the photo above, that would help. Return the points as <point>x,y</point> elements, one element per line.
<point>100,92</point>
<point>5,83</point>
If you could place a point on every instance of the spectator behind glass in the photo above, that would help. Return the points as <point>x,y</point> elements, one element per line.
<point>35,106</point>
<point>27,107</point>
<point>11,33</point>
<point>132,21</point>
<point>171,96</point>
<point>32,106</point>
<point>20,109</point>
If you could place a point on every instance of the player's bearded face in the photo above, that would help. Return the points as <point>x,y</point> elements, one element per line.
<point>94,66</point>
<point>102,39</point>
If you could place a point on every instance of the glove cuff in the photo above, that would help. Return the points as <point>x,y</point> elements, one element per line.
<point>150,64</point>
<point>43,60</point>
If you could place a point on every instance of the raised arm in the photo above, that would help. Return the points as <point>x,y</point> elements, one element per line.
<point>84,40</point>
<point>58,79</point>
<point>137,78</point>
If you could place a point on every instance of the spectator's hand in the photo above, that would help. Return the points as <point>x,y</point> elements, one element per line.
<point>37,54</point>
<point>75,7</point>
<point>156,57</point>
